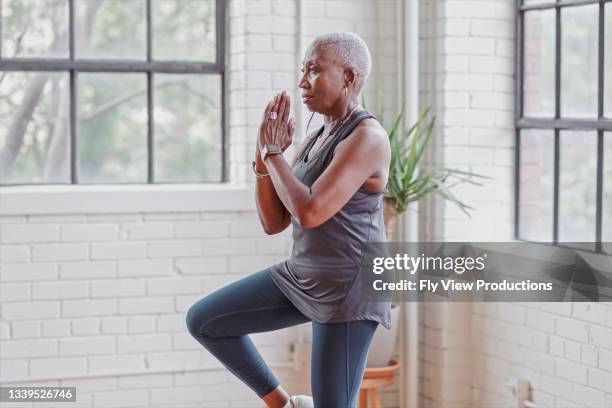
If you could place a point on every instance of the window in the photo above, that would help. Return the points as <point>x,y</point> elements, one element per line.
<point>112,91</point>
<point>564,122</point>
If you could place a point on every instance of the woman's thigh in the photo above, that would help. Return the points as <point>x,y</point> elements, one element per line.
<point>339,354</point>
<point>249,305</point>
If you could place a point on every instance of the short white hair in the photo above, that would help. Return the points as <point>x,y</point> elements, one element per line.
<point>349,50</point>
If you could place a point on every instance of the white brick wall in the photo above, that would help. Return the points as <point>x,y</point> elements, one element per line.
<point>99,300</point>
<point>563,349</point>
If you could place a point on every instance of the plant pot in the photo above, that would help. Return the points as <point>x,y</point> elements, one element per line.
<point>390,217</point>
<point>383,342</point>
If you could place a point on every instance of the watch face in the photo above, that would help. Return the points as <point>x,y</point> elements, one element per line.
<point>272,148</point>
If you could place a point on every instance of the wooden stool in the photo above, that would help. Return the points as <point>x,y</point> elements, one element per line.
<point>373,379</point>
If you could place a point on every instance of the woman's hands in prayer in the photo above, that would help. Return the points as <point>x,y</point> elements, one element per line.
<point>276,127</point>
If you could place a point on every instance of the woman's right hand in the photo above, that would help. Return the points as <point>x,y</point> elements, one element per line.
<point>279,101</point>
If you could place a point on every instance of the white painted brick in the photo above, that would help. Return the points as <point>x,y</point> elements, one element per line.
<point>161,249</point>
<point>314,8</point>
<point>258,7</point>
<point>24,330</point>
<point>28,348</point>
<point>605,360</point>
<point>146,381</point>
<point>87,270</point>
<point>122,250</point>
<point>173,396</point>
<point>55,219</point>
<point>147,230</point>
<point>171,216</point>
<point>571,371</point>
<point>175,359</point>
<point>491,65</point>
<point>285,81</point>
<point>115,217</point>
<point>600,336</point>
<point>492,28</point>
<point>28,272</point>
<point>283,8</point>
<point>283,43</point>
<point>572,350</point>
<point>231,246</point>
<point>589,396</point>
<point>202,266</point>
<point>114,325</point>
<point>591,312</point>
<point>56,328</point>
<point>29,233</point>
<point>118,288</point>
<point>541,321</point>
<point>491,100</point>
<point>265,25</point>
<point>94,232</point>
<point>146,305</point>
<point>14,369</point>
<point>249,264</point>
<point>171,286</point>
<point>60,290</point>
<point>556,346</point>
<point>557,386</point>
<point>122,399</point>
<point>117,363</point>
<point>30,310</point>
<point>171,323</point>
<point>86,346</point>
<point>57,367</point>
<point>259,80</point>
<point>13,253</point>
<point>99,307</point>
<point>467,82</point>
<point>141,324</point>
<point>143,343</point>
<point>469,46</point>
<point>85,327</point>
<point>60,252</point>
<point>205,229</point>
<point>588,355</point>
<point>14,292</point>
<point>142,268</point>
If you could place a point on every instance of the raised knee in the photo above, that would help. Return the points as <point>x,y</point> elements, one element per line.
<point>196,319</point>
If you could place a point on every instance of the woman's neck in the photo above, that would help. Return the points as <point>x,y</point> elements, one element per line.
<point>339,114</point>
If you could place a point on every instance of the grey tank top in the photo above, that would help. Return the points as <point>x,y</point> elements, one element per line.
<point>321,277</point>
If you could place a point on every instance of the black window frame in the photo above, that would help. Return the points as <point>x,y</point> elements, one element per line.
<point>149,66</point>
<point>601,124</point>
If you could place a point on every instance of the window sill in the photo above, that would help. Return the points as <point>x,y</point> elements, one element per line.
<point>88,199</point>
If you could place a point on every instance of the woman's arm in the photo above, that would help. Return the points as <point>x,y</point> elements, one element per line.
<point>269,205</point>
<point>365,152</point>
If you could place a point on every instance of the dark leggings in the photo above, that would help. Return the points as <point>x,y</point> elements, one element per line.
<point>253,304</point>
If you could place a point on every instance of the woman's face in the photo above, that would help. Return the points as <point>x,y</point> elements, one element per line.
<point>322,82</point>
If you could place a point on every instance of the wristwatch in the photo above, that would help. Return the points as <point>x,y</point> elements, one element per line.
<point>270,148</point>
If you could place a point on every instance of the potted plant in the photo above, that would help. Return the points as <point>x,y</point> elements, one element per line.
<point>409,181</point>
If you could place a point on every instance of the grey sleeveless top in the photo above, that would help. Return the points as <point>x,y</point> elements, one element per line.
<point>321,277</point>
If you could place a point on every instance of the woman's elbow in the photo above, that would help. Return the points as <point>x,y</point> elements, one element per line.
<point>307,218</point>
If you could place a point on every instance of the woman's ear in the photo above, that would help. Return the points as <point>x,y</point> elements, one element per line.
<point>349,77</point>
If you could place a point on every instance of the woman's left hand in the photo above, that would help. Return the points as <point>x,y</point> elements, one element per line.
<point>278,128</point>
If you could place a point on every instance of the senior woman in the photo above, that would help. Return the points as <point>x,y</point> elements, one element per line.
<point>332,196</point>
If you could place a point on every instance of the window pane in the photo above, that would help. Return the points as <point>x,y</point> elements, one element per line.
<point>577,186</point>
<point>608,59</point>
<point>579,61</point>
<point>534,2</point>
<point>539,72</point>
<point>112,139</point>
<point>113,29</point>
<point>34,28</point>
<point>536,185</point>
<point>606,231</point>
<point>34,128</point>
<point>187,128</point>
<point>184,29</point>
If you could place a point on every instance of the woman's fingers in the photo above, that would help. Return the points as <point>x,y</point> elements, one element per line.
<point>287,109</point>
